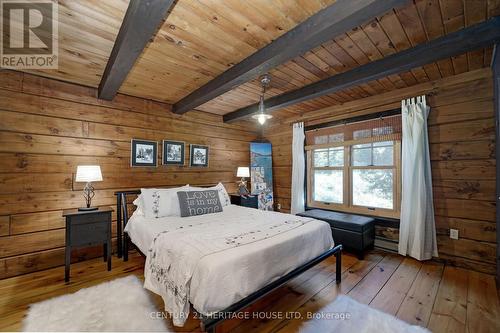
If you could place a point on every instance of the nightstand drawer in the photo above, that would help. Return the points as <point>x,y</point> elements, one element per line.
<point>90,218</point>
<point>89,233</point>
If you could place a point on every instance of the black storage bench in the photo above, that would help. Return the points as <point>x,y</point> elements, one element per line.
<point>356,233</point>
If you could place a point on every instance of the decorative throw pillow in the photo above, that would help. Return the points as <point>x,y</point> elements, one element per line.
<point>224,198</point>
<point>161,202</point>
<point>199,202</point>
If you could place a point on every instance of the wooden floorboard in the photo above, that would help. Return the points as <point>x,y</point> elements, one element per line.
<point>390,298</point>
<point>450,307</point>
<point>483,313</point>
<point>443,298</point>
<point>328,294</point>
<point>418,303</point>
<point>371,284</point>
<point>296,294</point>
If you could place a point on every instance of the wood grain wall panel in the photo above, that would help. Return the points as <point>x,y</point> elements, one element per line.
<point>4,225</point>
<point>40,163</point>
<point>469,111</point>
<point>470,229</point>
<point>35,241</point>
<point>465,208</point>
<point>32,242</point>
<point>134,180</point>
<point>33,222</point>
<point>148,115</point>
<point>460,189</point>
<point>475,250</point>
<point>15,265</point>
<point>464,170</point>
<point>55,145</point>
<point>21,203</point>
<point>24,183</point>
<point>476,130</point>
<point>49,127</point>
<point>11,80</point>
<point>462,148</point>
<point>474,150</point>
<point>41,124</point>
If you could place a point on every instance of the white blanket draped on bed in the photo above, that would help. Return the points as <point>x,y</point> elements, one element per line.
<point>176,251</point>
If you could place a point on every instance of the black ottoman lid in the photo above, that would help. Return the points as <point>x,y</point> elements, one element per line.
<point>341,220</point>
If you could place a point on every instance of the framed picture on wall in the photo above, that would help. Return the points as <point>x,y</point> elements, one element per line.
<point>198,156</point>
<point>173,152</point>
<point>144,153</point>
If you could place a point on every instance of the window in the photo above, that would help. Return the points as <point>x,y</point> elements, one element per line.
<point>328,175</point>
<point>356,167</point>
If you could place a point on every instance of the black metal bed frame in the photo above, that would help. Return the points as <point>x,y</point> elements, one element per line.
<point>209,323</point>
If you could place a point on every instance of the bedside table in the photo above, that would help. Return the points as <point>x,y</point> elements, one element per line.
<point>87,228</point>
<point>250,201</point>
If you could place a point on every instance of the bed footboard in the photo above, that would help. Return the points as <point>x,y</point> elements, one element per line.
<point>209,323</point>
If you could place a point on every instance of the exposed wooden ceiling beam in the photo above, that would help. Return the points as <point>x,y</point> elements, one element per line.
<point>474,37</point>
<point>142,19</point>
<point>328,23</point>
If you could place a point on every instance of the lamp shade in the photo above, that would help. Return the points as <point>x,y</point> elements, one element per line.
<point>88,173</point>
<point>243,172</point>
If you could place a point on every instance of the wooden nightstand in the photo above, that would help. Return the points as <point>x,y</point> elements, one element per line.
<point>249,201</point>
<point>87,228</point>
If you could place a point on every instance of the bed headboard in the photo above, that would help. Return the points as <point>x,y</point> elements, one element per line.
<point>121,204</point>
<point>122,215</point>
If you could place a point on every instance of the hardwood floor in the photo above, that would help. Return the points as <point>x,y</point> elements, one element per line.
<point>442,298</point>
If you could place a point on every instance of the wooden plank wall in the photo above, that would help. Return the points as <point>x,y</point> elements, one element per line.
<point>462,139</point>
<point>48,127</point>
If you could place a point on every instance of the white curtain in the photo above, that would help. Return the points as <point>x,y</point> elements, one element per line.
<point>417,232</point>
<point>298,168</point>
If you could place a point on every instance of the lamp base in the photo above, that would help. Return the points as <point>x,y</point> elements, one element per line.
<point>87,209</point>
<point>242,188</point>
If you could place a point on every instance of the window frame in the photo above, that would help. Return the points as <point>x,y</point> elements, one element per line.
<point>347,205</point>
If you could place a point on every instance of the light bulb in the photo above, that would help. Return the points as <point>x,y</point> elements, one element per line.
<point>261,119</point>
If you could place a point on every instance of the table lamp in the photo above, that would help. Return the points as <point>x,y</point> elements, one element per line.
<point>88,174</point>
<point>242,184</point>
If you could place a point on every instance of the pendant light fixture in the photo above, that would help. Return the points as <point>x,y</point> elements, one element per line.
<point>261,116</point>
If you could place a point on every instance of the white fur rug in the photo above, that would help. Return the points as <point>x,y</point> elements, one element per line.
<point>119,305</point>
<point>345,315</point>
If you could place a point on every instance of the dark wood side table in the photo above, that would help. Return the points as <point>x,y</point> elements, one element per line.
<point>87,228</point>
<point>250,201</point>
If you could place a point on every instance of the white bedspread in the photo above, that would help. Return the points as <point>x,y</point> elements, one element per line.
<point>224,274</point>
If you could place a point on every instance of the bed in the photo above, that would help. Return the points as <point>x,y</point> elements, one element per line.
<point>227,260</point>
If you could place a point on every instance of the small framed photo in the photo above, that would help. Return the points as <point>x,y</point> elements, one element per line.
<point>173,152</point>
<point>198,156</point>
<point>144,153</point>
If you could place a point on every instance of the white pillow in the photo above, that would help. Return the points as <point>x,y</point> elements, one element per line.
<point>139,210</point>
<point>225,200</point>
<point>161,202</point>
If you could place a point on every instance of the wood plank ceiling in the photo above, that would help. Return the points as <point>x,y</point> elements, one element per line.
<point>202,38</point>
